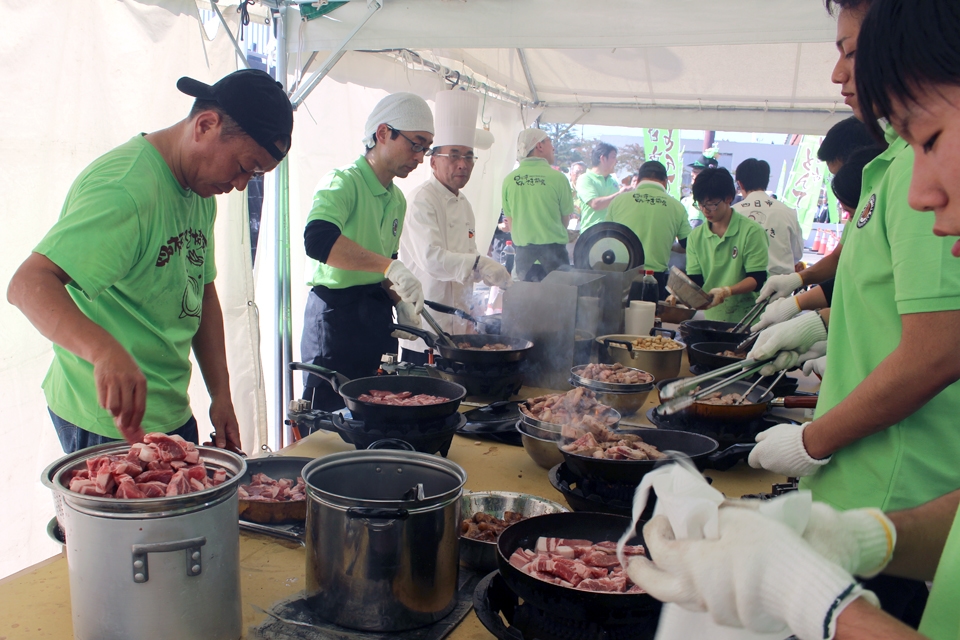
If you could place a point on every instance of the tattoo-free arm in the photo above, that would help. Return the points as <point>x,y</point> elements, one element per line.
<point>210,349</point>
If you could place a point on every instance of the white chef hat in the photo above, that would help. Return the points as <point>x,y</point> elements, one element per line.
<point>402,111</point>
<point>529,138</point>
<point>456,120</point>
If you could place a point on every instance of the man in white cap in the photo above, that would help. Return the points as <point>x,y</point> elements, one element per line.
<point>352,237</point>
<point>438,242</point>
<point>538,202</point>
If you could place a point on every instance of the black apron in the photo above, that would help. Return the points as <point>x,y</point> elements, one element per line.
<point>346,330</point>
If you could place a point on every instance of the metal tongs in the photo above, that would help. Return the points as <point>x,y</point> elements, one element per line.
<point>441,334</point>
<point>681,394</point>
<point>752,315</point>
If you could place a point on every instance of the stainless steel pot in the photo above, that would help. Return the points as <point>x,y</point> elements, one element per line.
<point>158,567</point>
<point>619,348</point>
<point>382,538</point>
<point>625,398</point>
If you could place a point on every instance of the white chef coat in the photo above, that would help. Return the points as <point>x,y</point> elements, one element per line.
<point>439,247</point>
<point>782,226</point>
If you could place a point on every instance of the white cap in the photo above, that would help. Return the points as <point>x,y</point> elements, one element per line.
<point>402,111</point>
<point>528,139</point>
<point>456,118</point>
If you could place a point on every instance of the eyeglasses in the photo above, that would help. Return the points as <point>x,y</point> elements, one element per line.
<point>709,206</point>
<point>416,146</point>
<point>455,157</point>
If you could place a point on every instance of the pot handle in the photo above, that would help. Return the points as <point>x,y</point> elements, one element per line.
<point>373,513</point>
<point>453,311</point>
<point>626,343</point>
<point>391,443</point>
<point>724,460</point>
<point>426,336</point>
<point>140,553</point>
<point>670,332</point>
<point>334,379</point>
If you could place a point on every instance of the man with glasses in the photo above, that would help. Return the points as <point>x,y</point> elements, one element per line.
<point>438,241</point>
<point>727,255</point>
<point>352,237</point>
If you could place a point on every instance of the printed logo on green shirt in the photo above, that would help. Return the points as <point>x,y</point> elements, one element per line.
<point>735,252</point>
<point>194,242</point>
<point>526,181</point>
<point>396,225</point>
<point>867,212</point>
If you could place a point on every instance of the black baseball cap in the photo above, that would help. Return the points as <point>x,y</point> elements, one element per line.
<point>255,100</point>
<point>704,162</point>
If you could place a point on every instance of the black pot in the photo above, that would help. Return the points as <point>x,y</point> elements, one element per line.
<point>693,331</point>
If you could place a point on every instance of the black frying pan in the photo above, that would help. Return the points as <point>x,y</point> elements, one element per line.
<point>710,331</point>
<point>475,355</point>
<point>351,390</point>
<point>744,412</point>
<point>277,467</point>
<point>707,355</point>
<point>590,606</point>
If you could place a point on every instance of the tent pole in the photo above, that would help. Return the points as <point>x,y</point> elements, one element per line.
<point>236,45</point>
<point>284,342</point>
<point>529,76</point>
<point>304,90</point>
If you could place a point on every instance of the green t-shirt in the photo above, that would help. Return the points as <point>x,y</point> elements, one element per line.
<point>891,265</point>
<point>139,249</point>
<point>535,198</point>
<point>723,262</point>
<point>941,617</point>
<point>656,217</point>
<point>589,186</point>
<point>353,199</point>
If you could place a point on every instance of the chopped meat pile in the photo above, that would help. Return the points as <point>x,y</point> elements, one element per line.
<point>615,446</point>
<point>615,373</point>
<point>486,528</point>
<point>159,467</point>
<point>719,398</point>
<point>263,488</point>
<point>496,346</point>
<point>733,354</point>
<point>578,564</point>
<point>402,399</point>
<point>576,411</point>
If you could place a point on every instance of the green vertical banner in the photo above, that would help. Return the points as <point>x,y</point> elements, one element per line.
<point>663,145</point>
<point>805,182</point>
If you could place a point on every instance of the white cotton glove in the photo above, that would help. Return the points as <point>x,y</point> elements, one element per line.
<point>405,284</point>
<point>859,540</point>
<point>776,312</point>
<point>798,334</point>
<point>780,449</point>
<point>789,359</point>
<point>718,295</point>
<point>407,315</point>
<point>817,366</point>
<point>777,287</point>
<point>493,273</point>
<point>758,575</point>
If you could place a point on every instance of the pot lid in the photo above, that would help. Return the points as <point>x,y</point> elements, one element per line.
<point>608,246</point>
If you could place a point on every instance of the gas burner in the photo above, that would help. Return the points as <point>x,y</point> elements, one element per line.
<point>427,437</point>
<point>588,494</point>
<point>777,490</point>
<point>500,611</point>
<point>724,432</point>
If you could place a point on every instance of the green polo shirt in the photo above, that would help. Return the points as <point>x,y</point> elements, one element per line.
<point>941,617</point>
<point>535,198</point>
<point>589,186</point>
<point>723,262</point>
<point>655,216</point>
<point>891,265</point>
<point>353,199</point>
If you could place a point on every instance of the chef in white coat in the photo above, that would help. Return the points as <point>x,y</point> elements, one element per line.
<point>438,243</point>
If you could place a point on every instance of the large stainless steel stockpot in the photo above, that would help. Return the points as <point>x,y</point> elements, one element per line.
<point>156,567</point>
<point>382,538</point>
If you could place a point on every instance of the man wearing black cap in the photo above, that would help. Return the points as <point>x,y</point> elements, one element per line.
<point>123,282</point>
<point>707,160</point>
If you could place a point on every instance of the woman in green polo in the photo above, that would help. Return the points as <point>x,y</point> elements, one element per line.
<point>727,256</point>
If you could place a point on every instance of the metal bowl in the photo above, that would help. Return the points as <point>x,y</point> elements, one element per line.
<point>625,398</point>
<point>542,450</point>
<point>482,556</point>
<point>674,314</point>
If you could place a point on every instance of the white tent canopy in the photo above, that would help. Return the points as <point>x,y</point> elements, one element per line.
<point>753,65</point>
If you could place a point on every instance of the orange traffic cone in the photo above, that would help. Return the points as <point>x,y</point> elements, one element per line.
<point>817,240</point>
<point>823,245</point>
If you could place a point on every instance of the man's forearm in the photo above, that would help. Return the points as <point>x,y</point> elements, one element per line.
<point>923,364</point>
<point>863,621</point>
<point>921,535</point>
<point>599,204</point>
<point>744,286</point>
<point>825,268</point>
<point>812,300</point>
<point>347,254</point>
<point>209,346</point>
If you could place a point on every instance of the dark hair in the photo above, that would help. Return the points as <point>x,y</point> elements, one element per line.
<point>836,6</point>
<point>652,170</point>
<point>229,127</point>
<point>844,138</point>
<point>753,174</point>
<point>847,183</point>
<point>602,150</point>
<point>713,183</point>
<point>904,47</point>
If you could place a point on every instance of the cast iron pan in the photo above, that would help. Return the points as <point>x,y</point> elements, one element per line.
<point>710,331</point>
<point>707,355</point>
<point>517,351</point>
<point>588,606</point>
<point>277,467</point>
<point>373,413</point>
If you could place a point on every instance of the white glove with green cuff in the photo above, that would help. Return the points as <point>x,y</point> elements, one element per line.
<point>777,287</point>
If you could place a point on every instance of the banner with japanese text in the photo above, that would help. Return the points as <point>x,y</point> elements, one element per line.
<point>805,182</point>
<point>663,145</point>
